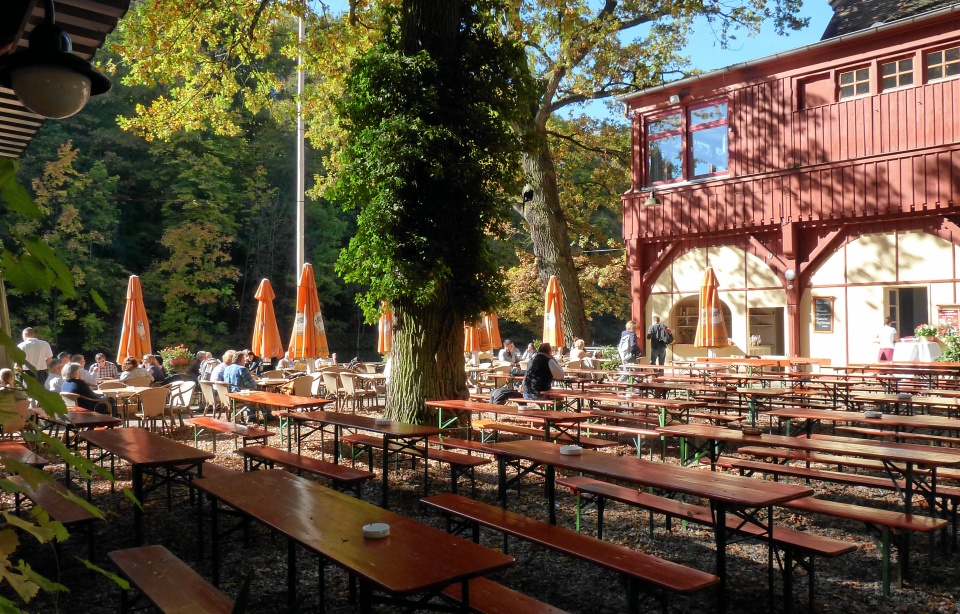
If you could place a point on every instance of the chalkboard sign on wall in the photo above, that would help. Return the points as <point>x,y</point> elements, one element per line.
<point>823,314</point>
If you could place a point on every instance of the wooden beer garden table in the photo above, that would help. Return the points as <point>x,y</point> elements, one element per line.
<point>564,422</point>
<point>674,408</point>
<point>907,403</point>
<point>743,497</point>
<point>275,399</point>
<point>416,559</point>
<point>147,453</point>
<point>896,422</point>
<point>397,438</point>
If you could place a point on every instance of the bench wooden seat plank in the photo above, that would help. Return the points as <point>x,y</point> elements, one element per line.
<point>22,454</point>
<point>169,583</point>
<point>50,496</point>
<point>488,597</point>
<point>527,431</point>
<point>943,473</point>
<point>245,432</point>
<point>457,443</point>
<point>636,566</point>
<point>904,435</point>
<point>342,476</point>
<point>460,463</point>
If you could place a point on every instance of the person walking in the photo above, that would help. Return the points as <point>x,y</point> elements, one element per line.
<point>657,334</point>
<point>887,337</point>
<point>38,353</point>
<point>629,347</point>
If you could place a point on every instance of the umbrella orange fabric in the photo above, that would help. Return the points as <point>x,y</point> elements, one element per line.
<point>266,335</point>
<point>553,314</point>
<point>711,329</point>
<point>135,336</point>
<point>490,333</point>
<point>309,339</point>
<point>385,330</point>
<point>471,339</point>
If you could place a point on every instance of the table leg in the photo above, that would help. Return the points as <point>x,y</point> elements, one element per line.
<point>385,498</point>
<point>550,485</point>
<point>214,541</point>
<point>138,507</point>
<point>291,574</point>
<point>502,480</point>
<point>720,532</point>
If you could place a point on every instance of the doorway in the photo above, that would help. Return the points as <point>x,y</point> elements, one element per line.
<point>908,308</point>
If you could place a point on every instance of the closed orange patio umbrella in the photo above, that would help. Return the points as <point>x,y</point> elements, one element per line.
<point>309,339</point>
<point>711,329</point>
<point>135,336</point>
<point>471,339</point>
<point>266,335</point>
<point>385,330</point>
<point>553,314</point>
<point>490,333</point>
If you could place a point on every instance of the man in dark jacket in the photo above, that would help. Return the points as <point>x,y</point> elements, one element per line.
<point>658,346</point>
<point>541,371</point>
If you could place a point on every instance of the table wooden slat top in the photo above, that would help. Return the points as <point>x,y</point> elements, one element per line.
<point>393,429</point>
<point>79,419</point>
<point>844,446</point>
<point>275,399</point>
<point>916,399</point>
<point>21,454</point>
<point>606,397</point>
<point>414,558</point>
<point>141,447</point>
<point>731,489</point>
<point>890,420</point>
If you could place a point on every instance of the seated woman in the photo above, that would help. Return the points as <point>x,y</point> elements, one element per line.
<point>151,364</point>
<point>578,352</point>
<point>73,383</point>
<point>131,368</point>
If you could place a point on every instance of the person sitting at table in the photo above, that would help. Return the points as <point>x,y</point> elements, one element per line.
<point>578,352</point>
<point>541,371</point>
<point>153,366</point>
<point>54,378</point>
<point>73,383</point>
<point>509,355</point>
<point>286,361</point>
<point>238,378</point>
<point>529,353</point>
<point>229,357</point>
<point>9,384</point>
<point>88,377</point>
<point>103,368</point>
<point>207,366</point>
<point>130,368</point>
<point>194,369</point>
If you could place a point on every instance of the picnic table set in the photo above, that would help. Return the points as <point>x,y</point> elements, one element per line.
<point>744,422</point>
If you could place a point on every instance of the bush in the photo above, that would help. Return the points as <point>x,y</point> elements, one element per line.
<point>951,350</point>
<point>609,357</point>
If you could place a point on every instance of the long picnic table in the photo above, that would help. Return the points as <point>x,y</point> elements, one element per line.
<point>745,498</point>
<point>416,559</point>
<point>813,416</point>
<point>147,453</point>
<point>397,438</point>
<point>287,402</point>
<point>563,422</point>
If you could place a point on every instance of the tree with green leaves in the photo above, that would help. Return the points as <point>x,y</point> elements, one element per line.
<point>428,114</point>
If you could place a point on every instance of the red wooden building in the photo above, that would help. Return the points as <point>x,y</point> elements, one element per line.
<point>822,184</point>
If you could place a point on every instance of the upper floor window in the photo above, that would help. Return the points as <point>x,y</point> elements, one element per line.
<point>896,74</point>
<point>943,64</point>
<point>854,83</point>
<point>687,144</point>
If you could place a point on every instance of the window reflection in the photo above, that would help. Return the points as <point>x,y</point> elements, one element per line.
<point>665,160</point>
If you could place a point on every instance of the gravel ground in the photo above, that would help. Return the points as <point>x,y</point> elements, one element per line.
<point>847,584</point>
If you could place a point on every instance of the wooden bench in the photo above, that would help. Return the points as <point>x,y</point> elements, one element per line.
<point>898,435</point>
<point>460,464</point>
<point>19,453</point>
<point>943,473</point>
<point>882,522</point>
<point>210,470</point>
<point>637,568</point>
<point>799,547</point>
<point>457,443</point>
<point>244,432</point>
<point>535,433</point>
<point>343,478</point>
<point>53,498</point>
<point>488,597</point>
<point>169,583</point>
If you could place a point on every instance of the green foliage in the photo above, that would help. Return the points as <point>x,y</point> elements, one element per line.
<point>429,149</point>
<point>951,349</point>
<point>610,358</point>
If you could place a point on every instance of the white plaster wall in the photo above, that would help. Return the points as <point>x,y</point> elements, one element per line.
<point>871,259</point>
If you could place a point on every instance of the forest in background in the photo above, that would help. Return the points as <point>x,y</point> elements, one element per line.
<point>203,217</point>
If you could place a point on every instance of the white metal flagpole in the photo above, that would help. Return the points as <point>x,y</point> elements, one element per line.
<point>301,162</point>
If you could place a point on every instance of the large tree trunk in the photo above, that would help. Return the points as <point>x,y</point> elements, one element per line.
<point>427,358</point>
<point>551,243</point>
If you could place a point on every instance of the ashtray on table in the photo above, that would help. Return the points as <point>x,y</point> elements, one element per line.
<point>376,530</point>
<point>873,414</point>
<point>382,422</point>
<point>571,450</point>
<point>751,431</point>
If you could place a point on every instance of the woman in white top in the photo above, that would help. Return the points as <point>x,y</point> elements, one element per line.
<point>887,338</point>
